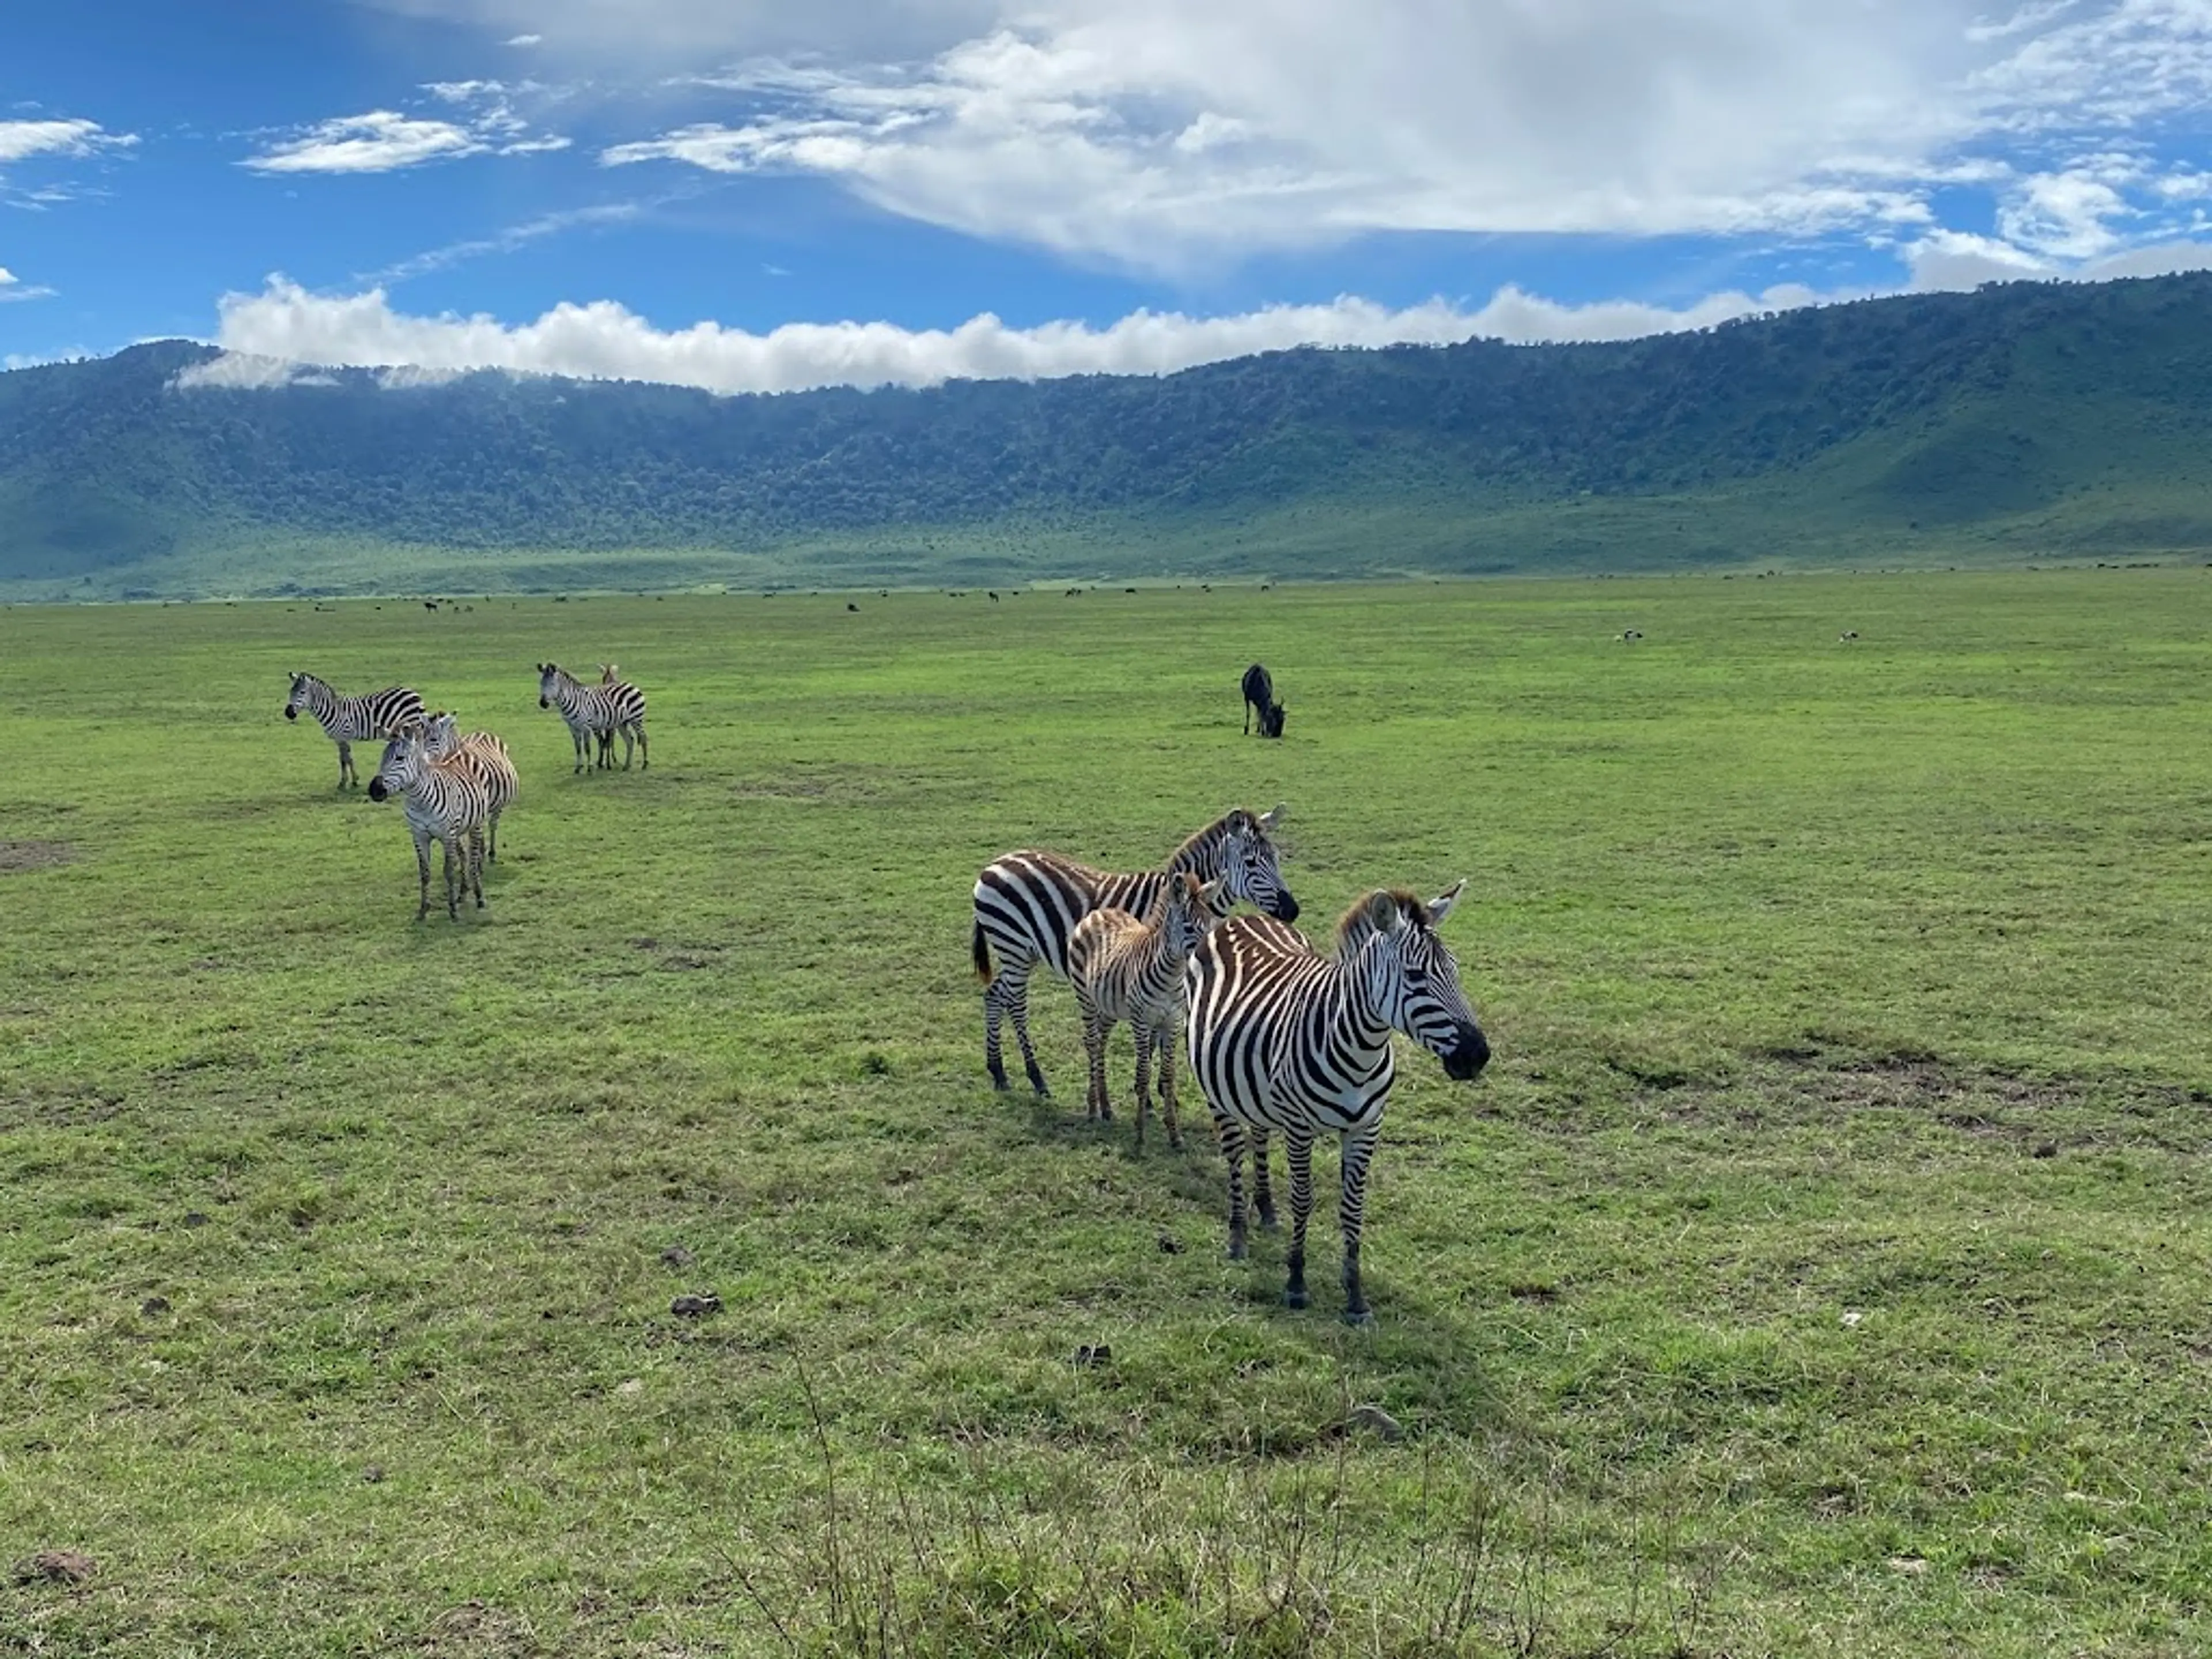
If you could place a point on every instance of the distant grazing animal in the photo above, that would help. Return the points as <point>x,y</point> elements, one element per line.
<point>994,595</point>
<point>1632,634</point>
<point>447,802</point>
<point>850,605</point>
<point>594,711</point>
<point>1286,1041</point>
<point>1124,969</point>
<point>487,756</point>
<point>1028,903</point>
<point>1849,634</point>
<point>370,718</point>
<point>1260,693</point>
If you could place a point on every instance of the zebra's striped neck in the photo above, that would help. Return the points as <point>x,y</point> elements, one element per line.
<point>319,700</point>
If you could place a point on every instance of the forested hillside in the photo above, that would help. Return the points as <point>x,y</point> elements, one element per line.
<point>2020,421</point>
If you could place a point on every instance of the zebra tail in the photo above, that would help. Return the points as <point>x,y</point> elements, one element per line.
<point>982,951</point>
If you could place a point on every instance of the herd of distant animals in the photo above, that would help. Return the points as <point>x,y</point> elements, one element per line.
<point>1282,1040</point>
<point>455,785</point>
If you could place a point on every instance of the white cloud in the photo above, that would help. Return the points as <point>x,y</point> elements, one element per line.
<point>268,333</point>
<point>507,240</point>
<point>386,141</point>
<point>14,288</point>
<point>525,39</point>
<point>21,140</point>
<point>382,141</point>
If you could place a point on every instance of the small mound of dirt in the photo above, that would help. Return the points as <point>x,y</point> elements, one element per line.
<point>17,856</point>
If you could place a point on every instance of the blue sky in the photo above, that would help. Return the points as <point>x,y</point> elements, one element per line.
<point>747,195</point>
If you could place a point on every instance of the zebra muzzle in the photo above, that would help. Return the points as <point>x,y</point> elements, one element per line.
<point>291,714</point>
<point>1468,1056</point>
<point>376,789</point>
<point>545,703</point>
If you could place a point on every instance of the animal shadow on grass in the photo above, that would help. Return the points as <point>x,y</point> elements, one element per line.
<point>1423,1338</point>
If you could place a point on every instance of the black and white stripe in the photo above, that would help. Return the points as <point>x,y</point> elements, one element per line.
<point>1027,905</point>
<point>1284,1041</point>
<point>594,712</point>
<point>447,802</point>
<point>370,718</point>
<point>486,756</point>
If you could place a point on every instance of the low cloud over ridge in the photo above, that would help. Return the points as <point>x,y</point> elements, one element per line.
<point>285,325</point>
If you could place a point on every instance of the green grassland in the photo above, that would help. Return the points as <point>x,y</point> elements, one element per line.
<point>1819,1266</point>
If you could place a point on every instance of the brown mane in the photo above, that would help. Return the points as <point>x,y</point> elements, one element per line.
<point>1353,922</point>
<point>1250,825</point>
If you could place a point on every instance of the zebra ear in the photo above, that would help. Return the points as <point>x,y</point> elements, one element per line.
<point>1270,822</point>
<point>1383,915</point>
<point>1441,906</point>
<point>1212,892</point>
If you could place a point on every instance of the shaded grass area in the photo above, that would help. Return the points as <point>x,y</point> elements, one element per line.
<point>1820,1266</point>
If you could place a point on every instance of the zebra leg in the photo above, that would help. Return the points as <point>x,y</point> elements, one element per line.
<point>1356,1150</point>
<point>1095,1033</point>
<point>1263,1191</point>
<point>452,899</point>
<point>1143,1077</point>
<point>644,754</point>
<point>345,765</point>
<point>491,846</point>
<point>1167,1047</point>
<point>1232,1148</point>
<point>629,747</point>
<point>1010,987</point>
<point>1297,1149</point>
<point>476,864</point>
<point>423,872</point>
<point>1019,1004</point>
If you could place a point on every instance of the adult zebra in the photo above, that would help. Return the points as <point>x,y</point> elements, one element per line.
<point>484,754</point>
<point>448,801</point>
<point>593,711</point>
<point>1027,903</point>
<point>1284,1039</point>
<point>628,697</point>
<point>372,717</point>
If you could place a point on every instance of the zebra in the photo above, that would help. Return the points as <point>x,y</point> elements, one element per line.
<point>1124,969</point>
<point>487,756</point>
<point>610,677</point>
<point>447,799</point>
<point>373,716</point>
<point>1282,1039</point>
<point>593,711</point>
<point>1027,903</point>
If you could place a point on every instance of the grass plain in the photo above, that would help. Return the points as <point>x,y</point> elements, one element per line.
<point>1819,1268</point>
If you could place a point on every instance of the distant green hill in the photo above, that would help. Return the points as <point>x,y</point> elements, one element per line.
<point>2022,421</point>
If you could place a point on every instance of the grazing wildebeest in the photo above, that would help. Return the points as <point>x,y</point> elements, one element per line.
<point>1632,634</point>
<point>1260,693</point>
<point>1849,634</point>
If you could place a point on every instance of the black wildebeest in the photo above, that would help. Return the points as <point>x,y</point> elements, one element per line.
<point>1260,693</point>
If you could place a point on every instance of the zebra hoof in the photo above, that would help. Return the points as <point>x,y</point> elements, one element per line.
<point>1358,1317</point>
<point>1296,1298</point>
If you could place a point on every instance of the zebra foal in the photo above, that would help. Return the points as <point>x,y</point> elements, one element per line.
<point>369,718</point>
<point>1124,969</point>
<point>486,756</point>
<point>1284,1041</point>
<point>1027,905</point>
<point>447,801</point>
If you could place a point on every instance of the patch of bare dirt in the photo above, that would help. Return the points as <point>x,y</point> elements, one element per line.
<point>17,856</point>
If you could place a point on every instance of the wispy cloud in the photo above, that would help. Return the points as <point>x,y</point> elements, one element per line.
<point>44,140</point>
<point>14,288</point>
<point>382,141</point>
<point>388,141</point>
<point>507,240</point>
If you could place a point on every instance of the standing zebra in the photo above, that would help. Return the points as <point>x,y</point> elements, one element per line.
<point>446,799</point>
<point>486,755</point>
<point>372,717</point>
<point>593,711</point>
<point>628,697</point>
<point>1028,903</point>
<point>1124,969</point>
<point>1283,1039</point>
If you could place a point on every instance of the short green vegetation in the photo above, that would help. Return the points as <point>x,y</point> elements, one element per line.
<point>1820,1267</point>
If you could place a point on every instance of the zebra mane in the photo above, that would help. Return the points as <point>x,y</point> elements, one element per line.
<point>1237,818</point>
<point>1353,927</point>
